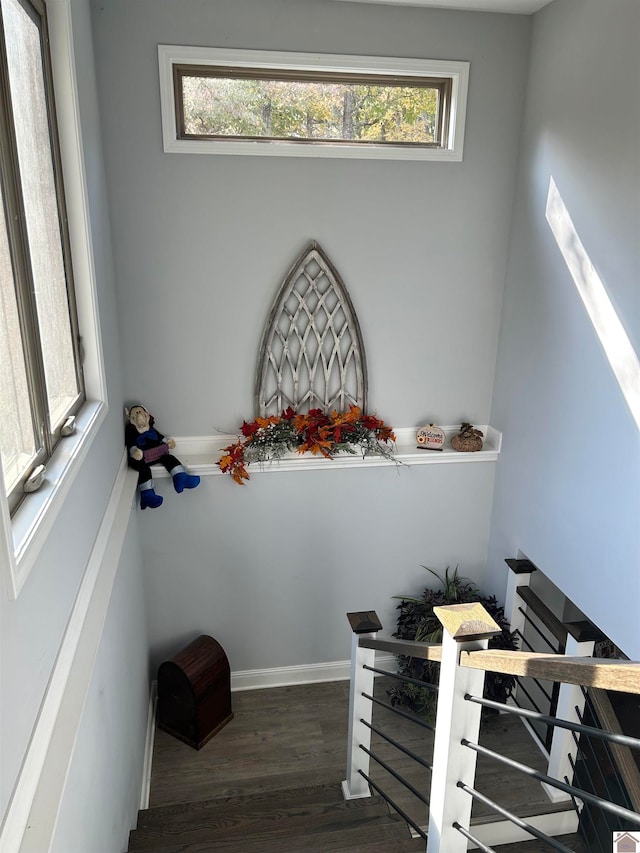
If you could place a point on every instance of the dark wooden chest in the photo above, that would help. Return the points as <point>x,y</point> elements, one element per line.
<point>194,692</point>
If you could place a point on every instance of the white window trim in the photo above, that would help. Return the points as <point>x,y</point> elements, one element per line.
<point>23,535</point>
<point>170,55</point>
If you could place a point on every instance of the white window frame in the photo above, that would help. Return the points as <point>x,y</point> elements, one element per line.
<point>458,72</point>
<point>23,536</point>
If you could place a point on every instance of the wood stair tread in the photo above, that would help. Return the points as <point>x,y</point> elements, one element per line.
<point>294,796</point>
<point>315,818</point>
<point>337,841</point>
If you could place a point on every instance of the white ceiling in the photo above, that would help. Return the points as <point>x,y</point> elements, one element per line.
<point>515,7</point>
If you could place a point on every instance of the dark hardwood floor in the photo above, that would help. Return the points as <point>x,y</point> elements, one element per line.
<point>279,764</point>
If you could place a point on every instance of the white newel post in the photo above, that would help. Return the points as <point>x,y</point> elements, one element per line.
<point>570,707</point>
<point>466,627</point>
<point>364,624</point>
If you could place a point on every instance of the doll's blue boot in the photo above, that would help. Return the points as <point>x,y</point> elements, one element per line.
<point>148,497</point>
<point>182,480</point>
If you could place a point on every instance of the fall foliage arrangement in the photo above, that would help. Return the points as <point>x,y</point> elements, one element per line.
<point>315,432</point>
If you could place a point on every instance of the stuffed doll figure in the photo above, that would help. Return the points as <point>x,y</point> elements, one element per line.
<point>146,446</point>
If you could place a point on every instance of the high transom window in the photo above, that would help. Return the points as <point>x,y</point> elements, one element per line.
<point>41,384</point>
<point>257,102</point>
<point>243,104</point>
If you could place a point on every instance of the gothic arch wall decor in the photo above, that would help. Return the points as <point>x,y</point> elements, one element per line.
<point>311,354</point>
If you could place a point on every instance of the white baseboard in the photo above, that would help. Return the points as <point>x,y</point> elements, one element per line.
<point>148,747</point>
<point>311,673</point>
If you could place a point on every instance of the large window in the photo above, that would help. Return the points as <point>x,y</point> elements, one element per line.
<point>41,384</point>
<point>257,102</point>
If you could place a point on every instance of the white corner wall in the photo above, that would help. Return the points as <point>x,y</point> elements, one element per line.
<point>568,479</point>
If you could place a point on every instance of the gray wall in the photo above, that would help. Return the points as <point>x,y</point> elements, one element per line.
<point>567,489</point>
<point>102,790</point>
<point>201,244</point>
<point>32,628</point>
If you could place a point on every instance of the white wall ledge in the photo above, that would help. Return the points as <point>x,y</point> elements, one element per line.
<point>200,454</point>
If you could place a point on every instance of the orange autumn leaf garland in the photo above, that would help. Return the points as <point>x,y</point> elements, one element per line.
<point>315,432</point>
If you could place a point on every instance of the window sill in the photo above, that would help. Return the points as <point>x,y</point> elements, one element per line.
<point>201,454</point>
<point>26,532</point>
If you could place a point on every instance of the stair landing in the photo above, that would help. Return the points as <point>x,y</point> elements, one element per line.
<point>270,780</point>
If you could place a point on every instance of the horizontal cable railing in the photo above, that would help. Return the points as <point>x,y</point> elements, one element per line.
<point>514,819</point>
<point>622,758</point>
<point>582,735</point>
<point>409,752</point>
<point>412,719</point>
<point>612,737</point>
<point>466,834</point>
<point>546,616</point>
<point>464,659</point>
<point>412,823</point>
<point>362,691</point>
<point>579,793</point>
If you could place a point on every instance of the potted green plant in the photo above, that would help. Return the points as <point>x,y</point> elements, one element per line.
<point>417,621</point>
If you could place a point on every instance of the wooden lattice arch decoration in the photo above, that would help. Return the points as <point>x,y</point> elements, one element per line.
<point>312,354</point>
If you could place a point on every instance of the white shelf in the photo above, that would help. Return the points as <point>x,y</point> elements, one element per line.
<point>200,454</point>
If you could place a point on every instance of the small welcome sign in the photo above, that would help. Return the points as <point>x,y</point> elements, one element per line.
<point>430,437</point>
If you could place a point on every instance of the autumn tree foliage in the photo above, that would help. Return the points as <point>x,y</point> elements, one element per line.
<point>220,106</point>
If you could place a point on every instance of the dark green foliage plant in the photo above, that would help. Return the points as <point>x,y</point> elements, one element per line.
<point>417,621</point>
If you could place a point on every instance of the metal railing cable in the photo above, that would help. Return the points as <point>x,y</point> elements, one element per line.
<point>396,775</point>
<point>394,805</point>
<point>400,713</point>
<point>528,695</point>
<point>405,678</point>
<point>398,745</point>
<point>535,627</point>
<point>585,796</point>
<point>536,681</point>
<point>510,816</point>
<point>584,767</point>
<point>483,847</point>
<point>408,752</point>
<point>587,812</point>
<point>617,739</point>
<point>580,728</point>
<point>594,832</point>
<point>523,639</point>
<point>581,753</point>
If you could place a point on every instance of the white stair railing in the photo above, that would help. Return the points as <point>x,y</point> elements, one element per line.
<point>464,659</point>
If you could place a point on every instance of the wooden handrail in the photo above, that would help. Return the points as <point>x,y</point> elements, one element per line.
<point>408,648</point>
<point>623,676</point>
